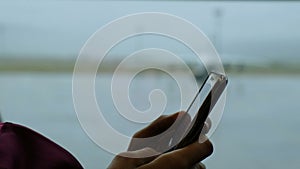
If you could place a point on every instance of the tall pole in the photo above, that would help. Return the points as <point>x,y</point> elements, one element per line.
<point>2,39</point>
<point>218,17</point>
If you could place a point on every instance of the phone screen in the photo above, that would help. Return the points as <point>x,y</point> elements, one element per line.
<point>202,104</point>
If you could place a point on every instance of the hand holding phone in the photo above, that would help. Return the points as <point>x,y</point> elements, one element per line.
<point>180,130</point>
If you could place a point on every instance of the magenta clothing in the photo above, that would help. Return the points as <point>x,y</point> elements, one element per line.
<point>23,148</point>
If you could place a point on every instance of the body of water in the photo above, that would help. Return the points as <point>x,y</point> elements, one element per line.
<point>259,128</point>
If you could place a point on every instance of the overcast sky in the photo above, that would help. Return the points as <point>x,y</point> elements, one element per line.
<point>243,31</point>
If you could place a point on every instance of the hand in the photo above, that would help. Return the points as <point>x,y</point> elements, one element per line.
<point>143,156</point>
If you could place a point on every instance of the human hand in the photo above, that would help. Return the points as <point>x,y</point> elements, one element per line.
<point>148,155</point>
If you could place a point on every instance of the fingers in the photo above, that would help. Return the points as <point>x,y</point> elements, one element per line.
<point>183,158</point>
<point>147,158</point>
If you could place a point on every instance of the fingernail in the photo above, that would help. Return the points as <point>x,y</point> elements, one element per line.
<point>205,128</point>
<point>202,138</point>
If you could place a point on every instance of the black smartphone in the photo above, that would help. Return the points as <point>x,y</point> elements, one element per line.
<point>204,101</point>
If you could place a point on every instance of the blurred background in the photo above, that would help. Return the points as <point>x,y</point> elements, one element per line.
<point>258,42</point>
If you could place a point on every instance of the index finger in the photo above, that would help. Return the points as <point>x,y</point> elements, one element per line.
<point>159,133</point>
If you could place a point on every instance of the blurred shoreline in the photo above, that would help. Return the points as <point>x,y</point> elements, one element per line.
<point>67,66</point>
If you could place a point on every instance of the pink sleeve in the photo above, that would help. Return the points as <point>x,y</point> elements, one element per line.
<point>23,148</point>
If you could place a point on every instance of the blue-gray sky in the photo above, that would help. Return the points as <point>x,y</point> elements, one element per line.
<point>245,31</point>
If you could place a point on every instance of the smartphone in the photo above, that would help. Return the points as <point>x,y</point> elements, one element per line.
<point>204,101</point>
